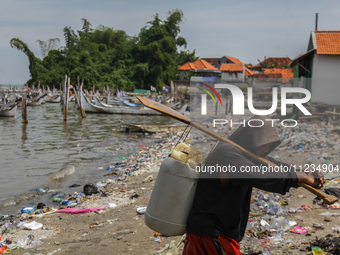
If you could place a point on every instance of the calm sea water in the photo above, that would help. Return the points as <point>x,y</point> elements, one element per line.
<point>40,153</point>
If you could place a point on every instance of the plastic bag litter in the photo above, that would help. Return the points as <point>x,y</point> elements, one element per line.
<point>277,238</point>
<point>265,224</point>
<point>30,225</point>
<point>328,214</point>
<point>110,205</point>
<point>252,225</point>
<point>336,229</point>
<point>26,243</point>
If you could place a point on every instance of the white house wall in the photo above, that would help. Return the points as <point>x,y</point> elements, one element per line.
<point>227,76</point>
<point>326,79</point>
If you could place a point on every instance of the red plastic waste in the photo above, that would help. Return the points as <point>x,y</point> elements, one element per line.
<point>2,249</point>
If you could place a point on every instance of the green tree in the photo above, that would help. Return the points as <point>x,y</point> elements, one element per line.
<point>34,62</point>
<point>109,57</point>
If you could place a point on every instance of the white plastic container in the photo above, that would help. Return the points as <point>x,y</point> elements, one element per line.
<point>183,153</point>
<point>172,198</point>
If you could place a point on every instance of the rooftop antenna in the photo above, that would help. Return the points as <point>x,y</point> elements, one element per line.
<point>316,21</point>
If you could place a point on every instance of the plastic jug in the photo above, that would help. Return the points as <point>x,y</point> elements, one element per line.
<point>182,153</point>
<point>172,196</point>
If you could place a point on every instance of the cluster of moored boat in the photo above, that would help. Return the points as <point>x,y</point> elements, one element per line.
<point>121,106</point>
<point>10,101</point>
<point>90,103</point>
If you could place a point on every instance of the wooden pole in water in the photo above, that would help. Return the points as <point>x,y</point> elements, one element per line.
<point>64,95</point>
<point>67,88</point>
<point>24,108</point>
<point>82,111</point>
<point>76,91</point>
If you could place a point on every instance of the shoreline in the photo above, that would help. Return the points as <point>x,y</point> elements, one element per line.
<point>121,229</point>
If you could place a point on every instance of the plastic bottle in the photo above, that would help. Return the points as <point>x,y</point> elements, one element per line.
<point>57,199</point>
<point>276,224</point>
<point>252,225</point>
<point>79,196</point>
<point>285,226</point>
<point>259,202</point>
<point>273,210</point>
<point>282,211</point>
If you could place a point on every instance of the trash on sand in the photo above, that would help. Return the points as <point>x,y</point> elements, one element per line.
<point>28,209</point>
<point>329,214</point>
<point>75,210</point>
<point>90,189</point>
<point>158,239</point>
<point>110,205</point>
<point>334,206</point>
<point>31,225</point>
<point>141,210</point>
<point>298,230</point>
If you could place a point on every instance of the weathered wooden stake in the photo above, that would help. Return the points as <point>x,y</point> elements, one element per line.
<point>67,92</point>
<point>76,92</point>
<point>83,114</point>
<point>64,95</point>
<point>24,109</point>
<point>108,94</point>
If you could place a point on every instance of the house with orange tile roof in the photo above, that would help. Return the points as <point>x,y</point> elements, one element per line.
<point>198,68</point>
<point>232,69</point>
<point>318,70</point>
<point>272,62</point>
<point>272,77</point>
<point>226,69</point>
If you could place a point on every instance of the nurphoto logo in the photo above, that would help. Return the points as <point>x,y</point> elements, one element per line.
<point>239,100</point>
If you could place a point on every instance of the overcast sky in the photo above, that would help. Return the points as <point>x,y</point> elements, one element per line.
<point>247,30</point>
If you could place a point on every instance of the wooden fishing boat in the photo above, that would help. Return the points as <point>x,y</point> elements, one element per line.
<point>54,99</point>
<point>150,128</point>
<point>8,110</point>
<point>88,106</point>
<point>36,102</point>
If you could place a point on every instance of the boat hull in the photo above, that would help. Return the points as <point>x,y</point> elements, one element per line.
<point>8,112</point>
<point>38,103</point>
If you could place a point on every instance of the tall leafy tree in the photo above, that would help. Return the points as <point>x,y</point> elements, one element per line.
<point>34,62</point>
